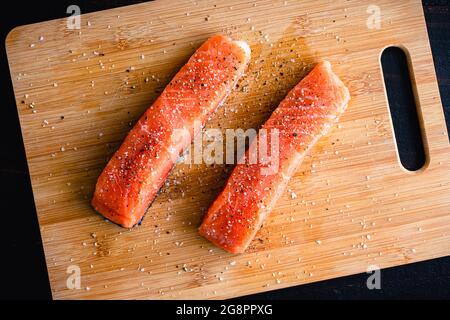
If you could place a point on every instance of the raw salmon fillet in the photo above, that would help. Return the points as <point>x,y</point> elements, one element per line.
<point>136,172</point>
<point>307,113</point>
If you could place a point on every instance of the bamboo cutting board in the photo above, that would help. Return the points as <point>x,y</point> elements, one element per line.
<point>356,205</point>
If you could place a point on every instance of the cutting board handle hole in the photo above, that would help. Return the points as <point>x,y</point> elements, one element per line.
<point>403,108</point>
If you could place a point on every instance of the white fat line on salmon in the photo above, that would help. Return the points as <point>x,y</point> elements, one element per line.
<point>187,310</point>
<point>212,146</point>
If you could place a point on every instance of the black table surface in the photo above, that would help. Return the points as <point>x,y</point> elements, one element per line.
<point>22,264</point>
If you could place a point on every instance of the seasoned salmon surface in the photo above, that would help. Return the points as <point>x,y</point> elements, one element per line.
<point>307,113</point>
<point>133,176</point>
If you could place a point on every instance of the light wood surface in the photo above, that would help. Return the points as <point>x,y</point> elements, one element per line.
<point>356,205</point>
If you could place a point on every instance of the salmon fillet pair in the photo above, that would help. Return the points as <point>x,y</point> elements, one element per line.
<point>136,172</point>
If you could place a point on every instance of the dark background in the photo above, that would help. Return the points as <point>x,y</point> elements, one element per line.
<point>22,267</point>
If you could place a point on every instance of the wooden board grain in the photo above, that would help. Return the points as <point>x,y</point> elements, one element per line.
<point>356,205</point>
